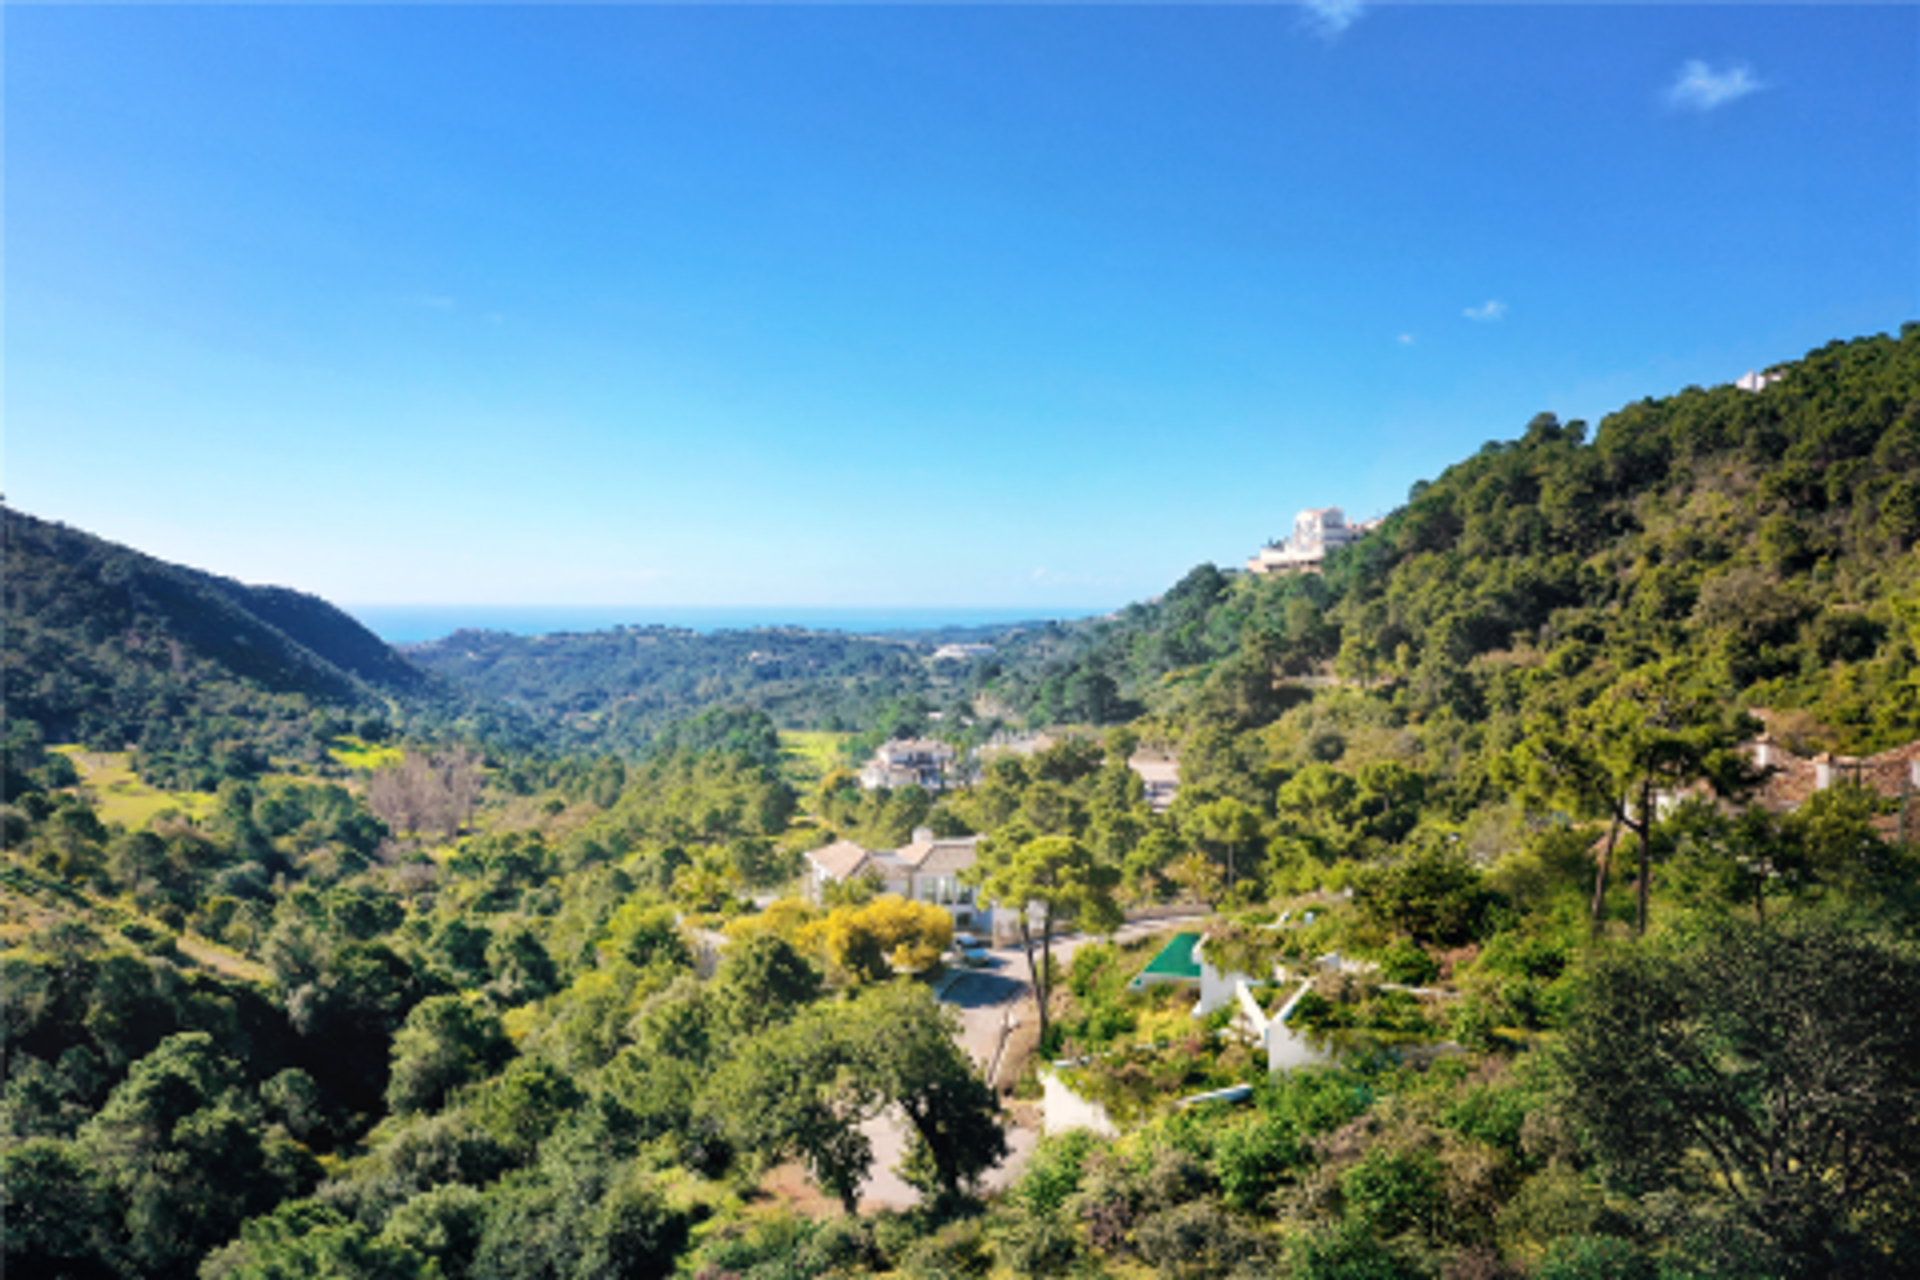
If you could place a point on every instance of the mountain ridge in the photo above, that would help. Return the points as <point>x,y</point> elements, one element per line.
<point>104,642</point>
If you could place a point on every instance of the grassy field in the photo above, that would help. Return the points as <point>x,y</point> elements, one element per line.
<point>120,795</point>
<point>808,755</point>
<point>356,754</point>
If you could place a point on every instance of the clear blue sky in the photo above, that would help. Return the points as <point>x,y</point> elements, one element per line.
<point>1033,306</point>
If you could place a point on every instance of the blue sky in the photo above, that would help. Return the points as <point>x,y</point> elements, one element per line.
<point>997,305</point>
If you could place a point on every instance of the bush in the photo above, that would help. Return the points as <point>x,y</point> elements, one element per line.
<point>1405,962</point>
<point>1053,1173</point>
<point>1195,1240</point>
<point>741,1248</point>
<point>1549,1206</point>
<point>15,825</point>
<point>1594,1258</point>
<point>1349,1254</point>
<point>1251,1159</point>
<point>958,1249</point>
<point>1394,1192</point>
<point>1435,897</point>
<point>1108,1204</point>
<point>443,1225</point>
<point>1031,1244</point>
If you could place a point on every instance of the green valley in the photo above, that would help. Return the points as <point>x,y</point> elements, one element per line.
<point>1558,828</point>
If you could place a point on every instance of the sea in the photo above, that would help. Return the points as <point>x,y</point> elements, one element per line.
<point>418,623</point>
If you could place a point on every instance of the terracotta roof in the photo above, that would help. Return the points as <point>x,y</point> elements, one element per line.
<point>1792,779</point>
<point>842,859</point>
<point>941,857</point>
<point>931,747</point>
<point>1155,770</point>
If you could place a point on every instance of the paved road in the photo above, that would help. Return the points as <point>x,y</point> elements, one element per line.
<point>986,997</point>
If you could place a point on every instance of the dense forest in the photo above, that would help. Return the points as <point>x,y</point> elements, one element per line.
<point>495,965</point>
<point>1759,538</point>
<point>204,677</point>
<point>616,690</point>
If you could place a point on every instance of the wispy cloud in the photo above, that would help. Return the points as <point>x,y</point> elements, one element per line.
<point>1406,339</point>
<point>432,301</point>
<point>1700,87</point>
<point>1331,17</point>
<point>1491,309</point>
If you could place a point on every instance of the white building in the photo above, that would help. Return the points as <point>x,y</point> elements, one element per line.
<point>1160,777</point>
<point>1315,533</point>
<point>926,869</point>
<point>962,652</point>
<point>908,762</point>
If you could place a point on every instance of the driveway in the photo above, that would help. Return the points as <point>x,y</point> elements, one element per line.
<point>987,999</point>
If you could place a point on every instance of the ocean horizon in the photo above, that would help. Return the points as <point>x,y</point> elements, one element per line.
<point>416,624</point>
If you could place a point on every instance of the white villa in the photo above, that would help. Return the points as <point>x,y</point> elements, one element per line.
<point>908,762</point>
<point>1265,1002</point>
<point>962,652</point>
<point>1161,778</point>
<point>926,869</point>
<point>1315,533</point>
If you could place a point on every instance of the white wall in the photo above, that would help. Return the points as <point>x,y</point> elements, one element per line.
<point>1063,1109</point>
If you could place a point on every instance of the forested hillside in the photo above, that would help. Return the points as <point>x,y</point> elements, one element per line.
<point>616,690</point>
<point>205,676</point>
<point>1470,811</point>
<point>1762,540</point>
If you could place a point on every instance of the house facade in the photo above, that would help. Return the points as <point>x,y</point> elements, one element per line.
<point>1792,779</point>
<point>1264,1003</point>
<point>908,762</point>
<point>1160,777</point>
<point>1316,532</point>
<point>925,869</point>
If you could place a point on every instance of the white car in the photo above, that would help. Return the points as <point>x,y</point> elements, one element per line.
<point>970,951</point>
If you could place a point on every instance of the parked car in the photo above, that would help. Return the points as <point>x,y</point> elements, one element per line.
<point>970,951</point>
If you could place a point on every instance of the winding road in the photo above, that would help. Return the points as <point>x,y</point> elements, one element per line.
<point>988,999</point>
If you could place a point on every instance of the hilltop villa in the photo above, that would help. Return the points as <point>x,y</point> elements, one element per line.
<point>1315,533</point>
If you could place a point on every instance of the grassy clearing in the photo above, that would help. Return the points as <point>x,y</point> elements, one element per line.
<point>211,955</point>
<point>808,755</point>
<point>119,794</point>
<point>354,753</point>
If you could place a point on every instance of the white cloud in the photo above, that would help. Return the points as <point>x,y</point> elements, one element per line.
<point>1702,88</point>
<point>1406,339</point>
<point>1491,309</point>
<point>1331,17</point>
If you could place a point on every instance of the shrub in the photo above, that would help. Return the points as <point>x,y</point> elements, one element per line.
<point>1053,1173</point>
<point>1394,1192</point>
<point>956,1250</point>
<point>1349,1254</point>
<point>1251,1159</point>
<point>1549,1206</point>
<point>1405,962</point>
<point>1594,1258</point>
<point>1036,1244</point>
<point>1195,1240</point>
<point>1435,897</point>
